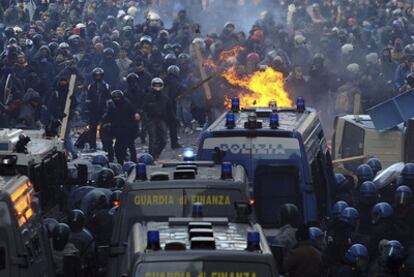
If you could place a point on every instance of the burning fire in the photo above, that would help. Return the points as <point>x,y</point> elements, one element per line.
<point>230,54</point>
<point>256,89</point>
<point>259,88</point>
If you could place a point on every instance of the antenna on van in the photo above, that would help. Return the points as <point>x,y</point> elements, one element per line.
<point>218,155</point>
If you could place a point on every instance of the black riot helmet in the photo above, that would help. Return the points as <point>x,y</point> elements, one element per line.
<point>407,175</point>
<point>118,182</point>
<point>289,214</point>
<point>105,177</point>
<point>167,48</point>
<point>170,59</point>
<point>117,95</point>
<point>76,220</point>
<point>108,53</point>
<point>157,84</point>
<point>132,79</point>
<point>173,70</point>
<point>9,32</point>
<point>60,236</point>
<point>184,58</point>
<point>97,73</point>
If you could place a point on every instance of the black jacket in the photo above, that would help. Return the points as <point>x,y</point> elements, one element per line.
<point>157,106</point>
<point>96,100</point>
<point>121,117</point>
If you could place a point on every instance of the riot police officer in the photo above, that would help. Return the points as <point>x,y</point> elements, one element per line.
<point>317,238</point>
<point>368,196</point>
<point>118,182</point>
<point>375,165</point>
<point>354,263</point>
<point>96,101</point>
<point>61,246</point>
<point>364,173</point>
<point>81,237</point>
<point>100,160</point>
<point>146,159</point>
<point>342,234</point>
<point>344,189</point>
<point>407,175</point>
<point>127,167</point>
<point>289,219</point>
<point>404,214</point>
<point>391,261</point>
<point>159,112</point>
<point>382,225</point>
<point>105,178</point>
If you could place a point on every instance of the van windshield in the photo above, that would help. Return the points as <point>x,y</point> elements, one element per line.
<point>160,204</point>
<point>202,269</point>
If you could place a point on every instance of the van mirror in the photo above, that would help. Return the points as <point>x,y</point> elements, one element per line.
<point>103,252</point>
<point>218,155</point>
<point>2,257</point>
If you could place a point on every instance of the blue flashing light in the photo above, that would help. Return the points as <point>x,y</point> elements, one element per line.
<point>153,240</point>
<point>189,154</point>
<point>235,104</point>
<point>197,210</point>
<point>141,172</point>
<point>226,170</point>
<point>230,120</point>
<point>300,104</point>
<point>253,241</point>
<point>274,120</point>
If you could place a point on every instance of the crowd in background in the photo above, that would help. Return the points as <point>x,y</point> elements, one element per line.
<point>135,61</point>
<point>328,51</point>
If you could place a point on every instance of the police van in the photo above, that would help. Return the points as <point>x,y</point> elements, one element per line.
<point>196,247</point>
<point>356,135</point>
<point>24,247</point>
<point>284,152</point>
<point>42,160</point>
<point>171,189</point>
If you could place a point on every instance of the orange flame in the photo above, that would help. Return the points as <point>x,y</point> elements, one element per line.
<point>209,63</point>
<point>261,86</point>
<point>232,53</point>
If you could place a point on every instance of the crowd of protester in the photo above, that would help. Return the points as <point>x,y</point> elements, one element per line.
<point>327,51</point>
<point>137,78</point>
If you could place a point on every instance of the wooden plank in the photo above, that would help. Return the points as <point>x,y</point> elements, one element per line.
<point>197,51</point>
<point>357,105</point>
<point>351,159</point>
<point>68,103</point>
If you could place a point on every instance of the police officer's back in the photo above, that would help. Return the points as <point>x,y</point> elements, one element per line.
<point>289,218</point>
<point>368,196</point>
<point>61,246</point>
<point>303,259</point>
<point>383,225</point>
<point>81,237</point>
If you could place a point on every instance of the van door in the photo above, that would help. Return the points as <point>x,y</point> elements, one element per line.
<point>275,185</point>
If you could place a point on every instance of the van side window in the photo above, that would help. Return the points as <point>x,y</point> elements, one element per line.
<point>2,258</point>
<point>352,144</point>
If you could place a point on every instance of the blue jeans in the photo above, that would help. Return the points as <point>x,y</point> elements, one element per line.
<point>68,140</point>
<point>184,112</point>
